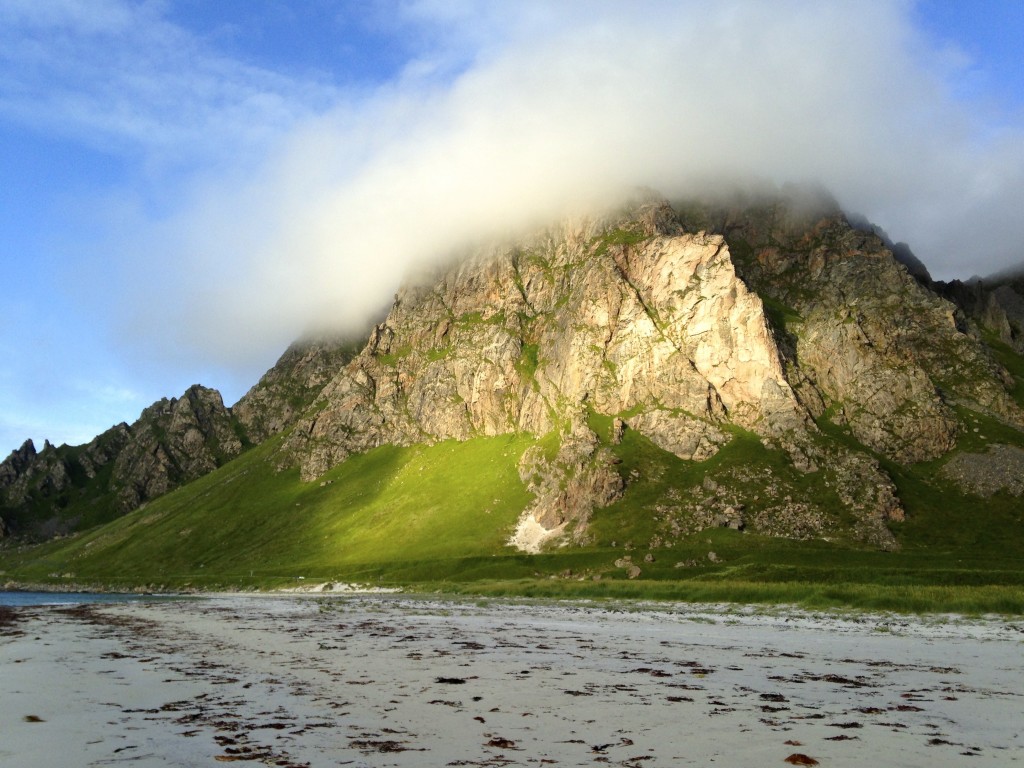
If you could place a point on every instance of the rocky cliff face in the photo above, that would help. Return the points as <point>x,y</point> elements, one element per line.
<point>996,305</point>
<point>633,317</point>
<point>645,320</point>
<point>61,488</point>
<point>882,352</point>
<point>174,441</point>
<point>683,327</point>
<point>769,322</point>
<point>290,387</point>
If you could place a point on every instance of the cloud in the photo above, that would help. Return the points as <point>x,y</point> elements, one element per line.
<point>514,112</point>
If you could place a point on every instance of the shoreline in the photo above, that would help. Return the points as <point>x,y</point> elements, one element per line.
<point>342,590</point>
<point>394,680</point>
<point>324,588</point>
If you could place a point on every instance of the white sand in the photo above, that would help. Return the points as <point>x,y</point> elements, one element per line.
<point>375,681</point>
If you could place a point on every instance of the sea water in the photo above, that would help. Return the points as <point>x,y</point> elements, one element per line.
<point>65,598</point>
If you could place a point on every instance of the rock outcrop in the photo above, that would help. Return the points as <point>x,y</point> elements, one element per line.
<point>175,440</point>
<point>61,488</point>
<point>862,338</point>
<point>996,305</point>
<point>291,386</point>
<point>684,327</point>
<point>645,320</point>
<point>580,477</point>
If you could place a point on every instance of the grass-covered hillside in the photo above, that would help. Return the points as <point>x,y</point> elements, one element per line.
<point>742,401</point>
<point>439,517</point>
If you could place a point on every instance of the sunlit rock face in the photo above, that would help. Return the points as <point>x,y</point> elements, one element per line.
<point>771,318</point>
<point>654,318</point>
<point>639,318</point>
<point>861,335</point>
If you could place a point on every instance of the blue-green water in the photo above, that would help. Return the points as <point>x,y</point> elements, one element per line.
<point>65,598</point>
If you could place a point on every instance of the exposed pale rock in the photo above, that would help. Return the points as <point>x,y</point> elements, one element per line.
<point>890,406</point>
<point>635,319</point>
<point>857,331</point>
<point>581,477</point>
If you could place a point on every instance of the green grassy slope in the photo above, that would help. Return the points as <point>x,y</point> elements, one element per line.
<point>438,517</point>
<point>390,510</point>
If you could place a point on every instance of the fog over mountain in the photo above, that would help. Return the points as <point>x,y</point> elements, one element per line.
<point>277,198</point>
<point>554,108</point>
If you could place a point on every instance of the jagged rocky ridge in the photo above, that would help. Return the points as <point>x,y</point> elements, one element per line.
<point>996,304</point>
<point>689,326</point>
<point>286,390</point>
<point>890,357</point>
<point>174,441</point>
<point>60,489</point>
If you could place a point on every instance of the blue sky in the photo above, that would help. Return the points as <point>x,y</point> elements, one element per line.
<point>186,186</point>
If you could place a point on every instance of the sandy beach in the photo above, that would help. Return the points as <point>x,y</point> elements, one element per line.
<point>386,680</point>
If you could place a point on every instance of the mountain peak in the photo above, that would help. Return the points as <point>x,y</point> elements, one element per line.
<point>681,334</point>
<point>765,361</point>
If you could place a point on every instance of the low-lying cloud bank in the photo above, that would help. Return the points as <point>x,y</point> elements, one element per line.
<point>552,106</point>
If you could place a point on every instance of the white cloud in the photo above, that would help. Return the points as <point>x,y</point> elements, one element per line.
<point>553,104</point>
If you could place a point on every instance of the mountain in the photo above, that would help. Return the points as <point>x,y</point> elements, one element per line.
<point>753,362</point>
<point>769,316</point>
<point>287,390</point>
<point>62,489</point>
<point>996,304</point>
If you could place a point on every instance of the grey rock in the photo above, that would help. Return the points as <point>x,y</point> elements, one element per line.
<point>1001,467</point>
<point>629,315</point>
<point>290,387</point>
<point>173,442</point>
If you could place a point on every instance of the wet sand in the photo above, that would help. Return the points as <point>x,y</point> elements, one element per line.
<point>398,681</point>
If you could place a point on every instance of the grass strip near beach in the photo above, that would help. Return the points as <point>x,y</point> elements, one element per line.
<point>969,601</point>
